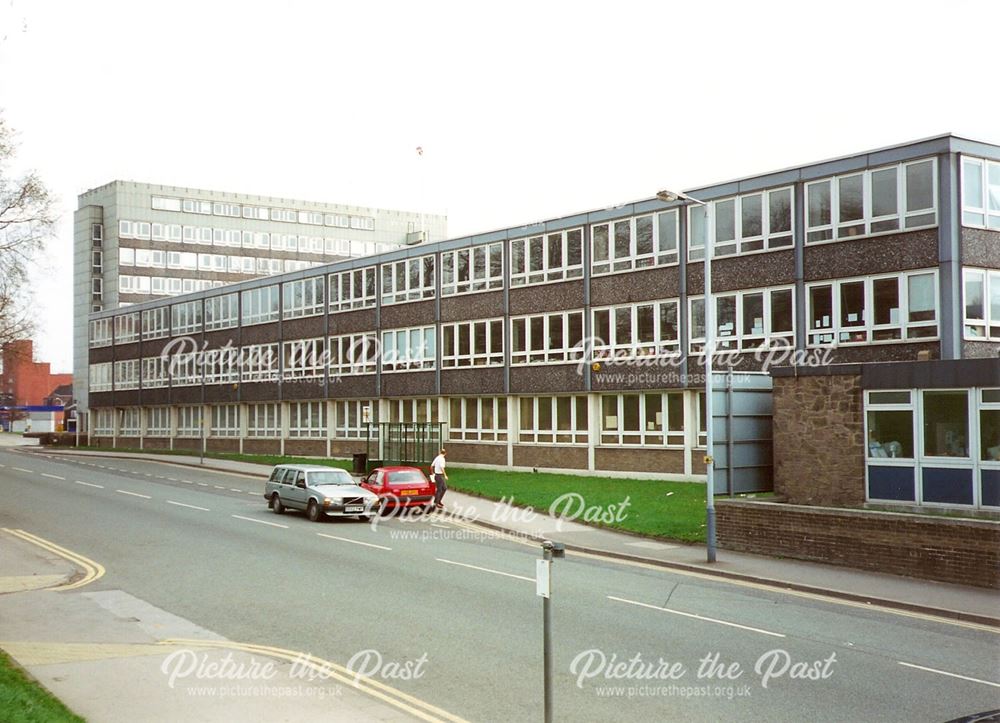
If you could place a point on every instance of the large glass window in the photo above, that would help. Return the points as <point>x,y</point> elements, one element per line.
<point>981,302</point>
<point>408,280</point>
<point>481,419</point>
<point>547,338</point>
<point>352,289</point>
<point>409,349</point>
<point>472,343</point>
<point>980,193</point>
<point>645,329</point>
<point>553,420</point>
<point>651,418</point>
<point>470,270</point>
<point>946,423</point>
<point>869,202</point>
<point>745,320</point>
<point>634,243</point>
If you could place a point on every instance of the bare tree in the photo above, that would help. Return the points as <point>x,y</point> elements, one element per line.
<point>27,221</point>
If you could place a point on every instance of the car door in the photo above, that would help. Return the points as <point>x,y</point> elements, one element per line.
<point>297,490</point>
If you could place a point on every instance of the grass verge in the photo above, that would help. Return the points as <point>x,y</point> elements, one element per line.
<point>22,700</point>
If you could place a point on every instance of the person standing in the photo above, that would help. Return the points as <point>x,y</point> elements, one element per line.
<point>440,477</point>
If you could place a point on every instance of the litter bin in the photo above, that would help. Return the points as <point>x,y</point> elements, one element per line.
<point>360,463</point>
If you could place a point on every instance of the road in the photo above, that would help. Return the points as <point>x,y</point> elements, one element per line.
<point>204,546</point>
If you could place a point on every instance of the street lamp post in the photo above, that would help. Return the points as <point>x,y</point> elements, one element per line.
<point>671,196</point>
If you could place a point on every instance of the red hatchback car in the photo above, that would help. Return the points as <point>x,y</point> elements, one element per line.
<point>401,487</point>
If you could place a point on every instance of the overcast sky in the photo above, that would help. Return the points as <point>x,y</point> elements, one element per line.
<point>525,110</point>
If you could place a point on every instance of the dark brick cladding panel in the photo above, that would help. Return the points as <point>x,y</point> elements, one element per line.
<point>642,285</point>
<point>981,248</point>
<point>774,268</point>
<point>472,306</point>
<point>478,381</point>
<point>874,255</point>
<point>546,297</point>
<point>417,313</point>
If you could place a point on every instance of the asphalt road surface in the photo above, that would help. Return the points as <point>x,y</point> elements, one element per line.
<point>630,642</point>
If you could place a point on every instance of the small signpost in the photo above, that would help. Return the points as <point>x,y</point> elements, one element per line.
<point>543,588</point>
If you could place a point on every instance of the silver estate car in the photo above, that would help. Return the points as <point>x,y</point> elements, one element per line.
<point>320,491</point>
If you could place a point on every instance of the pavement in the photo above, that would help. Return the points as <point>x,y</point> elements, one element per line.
<point>81,644</point>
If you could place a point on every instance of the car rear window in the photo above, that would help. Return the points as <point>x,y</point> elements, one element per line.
<point>333,477</point>
<point>407,478</point>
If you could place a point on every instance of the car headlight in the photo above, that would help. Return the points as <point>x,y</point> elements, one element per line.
<point>331,501</point>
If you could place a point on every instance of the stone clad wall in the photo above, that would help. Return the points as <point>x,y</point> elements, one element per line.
<point>966,552</point>
<point>819,446</point>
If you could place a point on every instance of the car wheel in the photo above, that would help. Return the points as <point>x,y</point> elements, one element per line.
<point>276,504</point>
<point>313,512</point>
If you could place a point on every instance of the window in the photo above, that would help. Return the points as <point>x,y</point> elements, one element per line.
<point>989,430</point>
<point>890,425</point>
<point>221,312</point>
<point>154,372</point>
<point>264,420</point>
<point>946,423</point>
<point>126,256</point>
<point>185,369</point>
<point>646,329</point>
<point>104,422</point>
<point>304,359</point>
<point>479,419</point>
<point>97,288</point>
<point>156,323</point>
<point>225,421</point>
<point>259,363</point>
<point>303,297</point>
<point>100,377</point>
<point>408,280</point>
<point>352,289</point>
<point>307,419</point>
<point>166,204</point>
<point>479,268</point>
<point>100,333</point>
<point>652,418</point>
<point>421,411</point>
<point>260,305</point>
<point>97,262</point>
<point>409,349</point>
<point>472,343</point>
<point>185,318</point>
<point>872,201</point>
<point>547,338</point>
<point>221,365</point>
<point>753,222</point>
<point>549,257</point>
<point>634,243</point>
<point>189,421</point>
<point>126,374</point>
<point>353,354</point>
<point>746,320</point>
<point>356,419</point>
<point>158,422</point>
<point>97,233</point>
<point>553,420</point>
<point>981,302</point>
<point>875,309</point>
<point>980,193</point>
<point>131,421</point>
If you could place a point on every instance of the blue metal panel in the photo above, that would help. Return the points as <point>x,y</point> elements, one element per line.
<point>891,483</point>
<point>990,487</point>
<point>949,485</point>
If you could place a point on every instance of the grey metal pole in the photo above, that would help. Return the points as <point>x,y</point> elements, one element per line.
<point>709,418</point>
<point>547,644</point>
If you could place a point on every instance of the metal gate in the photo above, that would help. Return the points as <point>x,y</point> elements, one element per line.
<point>413,444</point>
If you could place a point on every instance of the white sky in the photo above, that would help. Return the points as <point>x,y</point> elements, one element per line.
<point>525,110</point>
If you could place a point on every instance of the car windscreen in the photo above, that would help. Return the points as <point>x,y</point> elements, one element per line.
<point>333,477</point>
<point>407,478</point>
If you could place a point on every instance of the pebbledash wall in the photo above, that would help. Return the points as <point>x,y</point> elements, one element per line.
<point>576,343</point>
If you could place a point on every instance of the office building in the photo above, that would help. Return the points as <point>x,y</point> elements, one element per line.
<point>577,343</point>
<point>136,241</point>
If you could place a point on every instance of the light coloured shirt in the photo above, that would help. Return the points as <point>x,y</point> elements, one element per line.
<point>438,464</point>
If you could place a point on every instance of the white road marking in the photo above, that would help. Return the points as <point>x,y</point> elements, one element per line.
<point>260,522</point>
<point>697,617</point>
<point>219,487</point>
<point>134,494</point>
<point>353,542</point>
<point>52,476</point>
<point>485,569</point>
<point>187,481</point>
<point>173,479</point>
<point>203,484</point>
<point>22,469</point>
<point>88,484</point>
<point>3,465</point>
<point>193,507</point>
<point>951,675</point>
<point>233,489</point>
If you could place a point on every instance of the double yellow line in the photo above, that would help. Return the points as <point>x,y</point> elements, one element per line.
<point>91,570</point>
<point>330,670</point>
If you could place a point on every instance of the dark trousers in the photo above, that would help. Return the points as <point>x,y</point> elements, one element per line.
<point>440,488</point>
